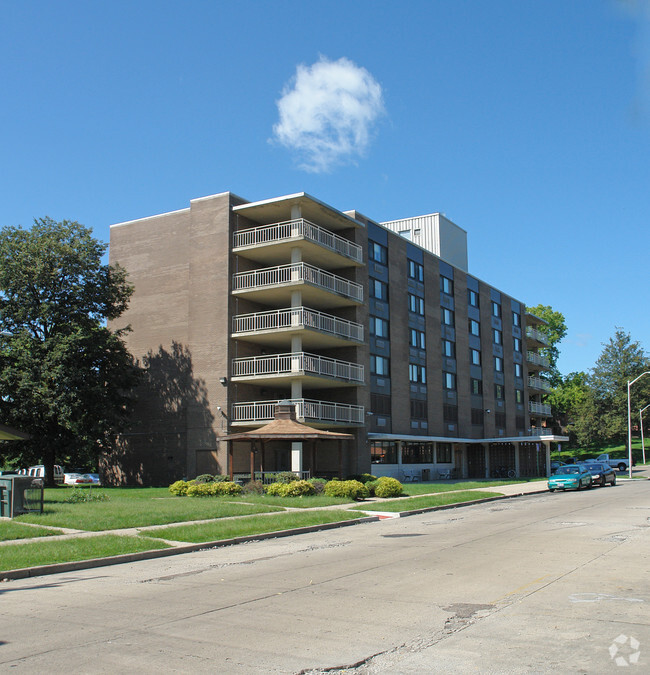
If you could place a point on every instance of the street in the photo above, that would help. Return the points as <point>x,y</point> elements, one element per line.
<point>557,582</point>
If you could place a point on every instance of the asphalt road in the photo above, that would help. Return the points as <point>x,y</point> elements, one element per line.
<point>533,584</point>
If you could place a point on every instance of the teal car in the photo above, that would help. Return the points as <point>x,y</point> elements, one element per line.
<point>570,477</point>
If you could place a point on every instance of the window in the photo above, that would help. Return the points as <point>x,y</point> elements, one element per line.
<point>519,371</point>
<point>516,319</point>
<point>378,327</point>
<point>498,364</point>
<point>447,316</point>
<point>415,271</point>
<point>377,252</point>
<point>450,413</point>
<point>516,344</point>
<point>443,453</point>
<point>418,409</point>
<point>383,452</point>
<point>476,386</point>
<point>449,349</point>
<point>477,415</point>
<point>475,357</point>
<point>447,285</point>
<point>519,396</point>
<point>379,365</point>
<point>378,289</point>
<point>500,420</point>
<point>417,338</point>
<point>449,381</point>
<point>498,392</point>
<point>380,404</point>
<point>496,309</point>
<point>406,234</point>
<point>497,336</point>
<point>417,373</point>
<point>474,327</point>
<point>416,304</point>
<point>472,297</point>
<point>417,453</point>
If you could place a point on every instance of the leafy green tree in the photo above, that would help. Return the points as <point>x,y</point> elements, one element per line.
<point>555,330</point>
<point>65,377</point>
<point>602,414</point>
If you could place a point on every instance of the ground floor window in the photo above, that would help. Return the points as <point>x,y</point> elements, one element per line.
<point>443,453</point>
<point>383,452</point>
<point>417,453</point>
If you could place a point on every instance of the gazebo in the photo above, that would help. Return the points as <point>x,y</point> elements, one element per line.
<point>284,428</point>
<point>10,434</point>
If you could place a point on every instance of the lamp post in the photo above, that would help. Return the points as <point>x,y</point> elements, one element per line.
<point>641,422</point>
<point>629,421</point>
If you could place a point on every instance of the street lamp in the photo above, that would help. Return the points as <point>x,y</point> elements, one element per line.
<point>629,420</point>
<point>641,421</point>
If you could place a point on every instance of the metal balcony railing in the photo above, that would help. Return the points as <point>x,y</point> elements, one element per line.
<point>297,229</point>
<point>297,273</point>
<point>539,383</point>
<point>539,408</point>
<point>298,318</point>
<point>306,410</point>
<point>535,334</point>
<point>297,363</point>
<point>538,359</point>
<point>540,431</point>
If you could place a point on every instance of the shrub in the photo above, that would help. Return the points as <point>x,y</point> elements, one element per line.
<point>296,488</point>
<point>79,495</point>
<point>276,489</point>
<point>319,485</point>
<point>226,488</point>
<point>200,490</point>
<point>220,478</point>
<point>388,487</point>
<point>254,487</point>
<point>352,489</point>
<point>363,478</point>
<point>179,488</point>
<point>204,478</point>
<point>371,486</point>
<point>285,477</point>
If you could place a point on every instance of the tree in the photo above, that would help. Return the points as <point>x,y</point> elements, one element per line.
<point>602,414</point>
<point>65,377</point>
<point>555,330</point>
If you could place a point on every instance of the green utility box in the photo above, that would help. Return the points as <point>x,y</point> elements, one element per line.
<point>20,494</point>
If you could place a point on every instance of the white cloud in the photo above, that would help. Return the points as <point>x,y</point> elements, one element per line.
<point>328,112</point>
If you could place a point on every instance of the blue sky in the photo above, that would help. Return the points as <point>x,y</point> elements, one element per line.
<point>526,123</point>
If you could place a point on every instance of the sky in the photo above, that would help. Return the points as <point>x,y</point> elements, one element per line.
<point>526,123</point>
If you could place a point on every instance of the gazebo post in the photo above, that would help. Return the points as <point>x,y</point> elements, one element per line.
<point>253,460</point>
<point>313,458</point>
<point>262,458</point>
<point>341,460</point>
<point>232,471</point>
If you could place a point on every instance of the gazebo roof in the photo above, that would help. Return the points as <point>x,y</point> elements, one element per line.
<point>10,434</point>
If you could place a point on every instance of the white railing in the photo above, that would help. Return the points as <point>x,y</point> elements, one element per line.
<point>539,383</point>
<point>306,410</point>
<point>296,273</point>
<point>535,334</point>
<point>534,357</point>
<point>298,318</point>
<point>540,431</point>
<point>297,363</point>
<point>539,408</point>
<point>297,229</point>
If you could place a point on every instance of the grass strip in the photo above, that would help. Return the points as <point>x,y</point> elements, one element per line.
<point>11,530</point>
<point>413,489</point>
<point>414,503</point>
<point>17,556</point>
<point>250,525</point>
<point>306,502</point>
<point>137,507</point>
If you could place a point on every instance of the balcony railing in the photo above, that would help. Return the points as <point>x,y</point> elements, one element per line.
<point>540,431</point>
<point>296,273</point>
<point>297,229</point>
<point>535,334</point>
<point>539,408</point>
<point>539,383</point>
<point>297,363</point>
<point>306,410</point>
<point>297,318</point>
<point>537,359</point>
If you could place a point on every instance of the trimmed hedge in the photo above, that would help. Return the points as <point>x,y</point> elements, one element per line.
<point>296,488</point>
<point>386,487</point>
<point>351,489</point>
<point>183,488</point>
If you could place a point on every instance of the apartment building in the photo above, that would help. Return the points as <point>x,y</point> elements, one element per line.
<point>373,329</point>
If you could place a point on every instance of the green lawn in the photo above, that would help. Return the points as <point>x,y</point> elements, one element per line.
<point>250,525</point>
<point>17,556</point>
<point>413,489</point>
<point>414,503</point>
<point>10,530</point>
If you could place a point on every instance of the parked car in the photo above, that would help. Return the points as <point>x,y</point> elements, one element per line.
<point>555,465</point>
<point>38,471</point>
<point>571,476</point>
<point>601,474</point>
<point>77,479</point>
<point>620,463</point>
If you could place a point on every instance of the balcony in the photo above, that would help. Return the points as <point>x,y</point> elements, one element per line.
<point>540,431</point>
<point>537,336</point>
<point>539,383</point>
<point>536,408</point>
<point>538,361</point>
<point>314,370</point>
<point>275,327</point>
<point>273,243</point>
<point>317,413</point>
<point>273,285</point>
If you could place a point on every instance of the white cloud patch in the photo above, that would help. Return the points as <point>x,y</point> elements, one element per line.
<point>327,113</point>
